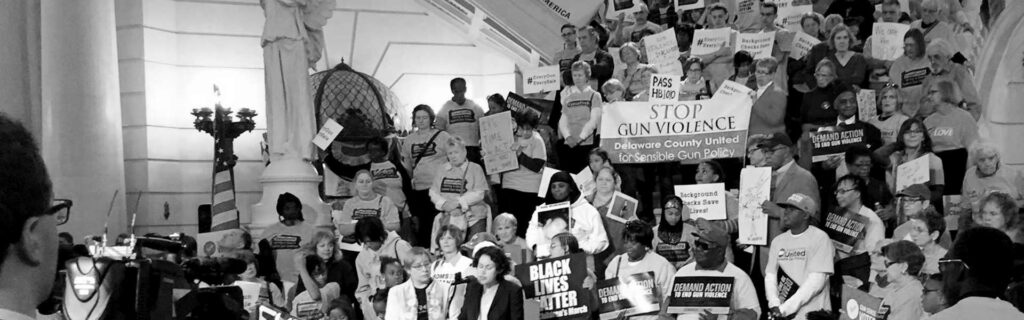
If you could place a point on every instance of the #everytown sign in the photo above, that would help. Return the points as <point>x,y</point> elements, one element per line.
<point>687,131</point>
<point>557,284</point>
<point>541,79</point>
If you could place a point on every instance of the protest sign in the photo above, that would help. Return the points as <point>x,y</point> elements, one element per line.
<point>622,208</point>
<point>747,8</point>
<point>328,132</point>
<point>953,207</point>
<point>633,294</point>
<point>664,88</point>
<point>731,90</point>
<point>844,231</point>
<point>271,313</point>
<point>663,52</point>
<point>789,13</point>
<point>251,292</point>
<point>694,295</point>
<point>674,253</point>
<point>859,305</point>
<point>577,12</point>
<point>802,43</point>
<point>545,180</point>
<point>708,41</point>
<point>834,143</point>
<point>496,138</point>
<point>625,7</point>
<point>687,5</point>
<point>541,79</point>
<point>755,189</point>
<point>558,285</point>
<point>913,77</point>
<point>551,211</point>
<point>518,103</point>
<point>866,105</point>
<point>786,285</point>
<point>887,40</point>
<point>912,172</point>
<point>758,44</point>
<point>685,131</point>
<point>585,181</point>
<point>703,200</point>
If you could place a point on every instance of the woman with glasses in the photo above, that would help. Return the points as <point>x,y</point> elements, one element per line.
<point>695,86</point>
<point>909,70</point>
<point>912,142</point>
<point>940,53</point>
<point>890,112</point>
<point>640,258</point>
<point>492,297</point>
<point>419,297</point>
<point>903,260</point>
<point>631,76</point>
<point>926,229</point>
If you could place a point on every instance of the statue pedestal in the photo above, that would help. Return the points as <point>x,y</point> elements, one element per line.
<point>297,177</point>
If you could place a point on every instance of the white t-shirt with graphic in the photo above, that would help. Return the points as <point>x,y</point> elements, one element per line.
<point>799,256</point>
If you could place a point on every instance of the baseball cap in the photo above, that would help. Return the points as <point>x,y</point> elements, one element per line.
<point>800,201</point>
<point>776,139</point>
<point>711,233</point>
<point>478,241</point>
<point>917,191</point>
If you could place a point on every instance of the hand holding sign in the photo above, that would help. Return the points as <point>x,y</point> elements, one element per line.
<point>664,88</point>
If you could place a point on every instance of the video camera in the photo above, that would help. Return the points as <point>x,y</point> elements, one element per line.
<point>120,283</point>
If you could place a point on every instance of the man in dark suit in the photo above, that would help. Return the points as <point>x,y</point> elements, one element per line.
<point>825,171</point>
<point>491,297</point>
<point>601,62</point>
<point>769,112</point>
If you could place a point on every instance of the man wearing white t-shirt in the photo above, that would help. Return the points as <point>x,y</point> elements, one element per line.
<point>799,264</point>
<point>709,260</point>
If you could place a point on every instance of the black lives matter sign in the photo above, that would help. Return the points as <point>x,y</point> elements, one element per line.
<point>693,295</point>
<point>557,284</point>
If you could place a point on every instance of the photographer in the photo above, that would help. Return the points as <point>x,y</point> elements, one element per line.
<point>28,241</point>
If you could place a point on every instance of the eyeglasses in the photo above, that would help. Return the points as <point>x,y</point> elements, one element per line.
<point>421,266</point>
<point>61,209</point>
<point>703,245</point>
<point>891,85</point>
<point>569,34</point>
<point>927,291</point>
<point>842,191</point>
<point>943,263</point>
<point>888,262</point>
<point>488,267</point>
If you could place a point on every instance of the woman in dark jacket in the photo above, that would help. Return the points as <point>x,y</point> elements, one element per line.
<point>492,297</point>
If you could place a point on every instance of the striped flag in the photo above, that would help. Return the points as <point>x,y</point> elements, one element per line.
<point>224,213</point>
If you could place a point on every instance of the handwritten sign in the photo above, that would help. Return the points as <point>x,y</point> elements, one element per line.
<point>664,88</point>
<point>887,40</point>
<point>704,200</point>
<point>622,208</point>
<point>250,293</point>
<point>327,133</point>
<point>686,131</point>
<point>859,305</point>
<point>833,143</point>
<point>755,189</point>
<point>844,231</point>
<point>789,13</point>
<point>708,41</point>
<point>687,5</point>
<point>866,105</point>
<point>633,294</point>
<point>663,52</point>
<point>912,172</point>
<point>496,138</point>
<point>558,285</point>
<point>802,44</point>
<point>758,44</point>
<point>541,79</point>
<point>694,295</point>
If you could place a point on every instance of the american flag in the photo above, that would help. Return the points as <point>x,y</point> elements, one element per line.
<point>224,214</point>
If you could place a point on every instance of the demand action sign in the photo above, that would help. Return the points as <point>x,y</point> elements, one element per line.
<point>687,131</point>
<point>834,143</point>
<point>558,285</point>
<point>693,295</point>
<point>633,294</point>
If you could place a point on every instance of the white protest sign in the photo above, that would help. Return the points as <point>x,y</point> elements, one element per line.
<point>577,12</point>
<point>626,7</point>
<point>704,200</point>
<point>497,139</point>
<point>664,88</point>
<point>887,40</point>
<point>585,181</point>
<point>541,79</point>
<point>209,242</point>
<point>789,13</point>
<point>687,5</point>
<point>802,43</point>
<point>755,189</point>
<point>708,41</point>
<point>733,90</point>
<point>327,133</point>
<point>866,105</point>
<point>545,179</point>
<point>250,293</point>
<point>663,52</point>
<point>758,44</point>
<point>912,172</point>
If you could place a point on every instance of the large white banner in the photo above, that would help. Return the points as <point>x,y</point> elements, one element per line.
<point>887,40</point>
<point>577,12</point>
<point>685,131</point>
<point>663,52</point>
<point>758,44</point>
<point>707,41</point>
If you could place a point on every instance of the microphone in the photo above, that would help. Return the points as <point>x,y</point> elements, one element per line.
<point>460,279</point>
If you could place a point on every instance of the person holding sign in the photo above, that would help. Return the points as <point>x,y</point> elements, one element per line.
<point>458,192</point>
<point>695,86</point>
<point>890,112</point>
<point>492,297</point>
<point>796,279</point>
<point>909,71</point>
<point>912,143</point>
<point>710,261</point>
<point>583,221</point>
<point>366,203</point>
<point>518,191</point>
<point>581,117</point>
<point>639,258</point>
<point>673,236</point>
<point>846,125</point>
<point>788,178</point>
<point>719,63</point>
<point>848,192</point>
<point>903,260</point>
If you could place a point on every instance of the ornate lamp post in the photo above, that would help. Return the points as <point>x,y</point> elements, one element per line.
<point>224,129</point>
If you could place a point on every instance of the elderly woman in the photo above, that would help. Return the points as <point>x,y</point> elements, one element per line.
<point>931,23</point>
<point>695,86</point>
<point>925,230</point>
<point>939,53</point>
<point>909,70</point>
<point>988,174</point>
<point>890,115</point>
<point>952,129</point>
<point>851,67</point>
<point>816,109</point>
<point>999,210</point>
<point>631,76</point>
<point>903,261</point>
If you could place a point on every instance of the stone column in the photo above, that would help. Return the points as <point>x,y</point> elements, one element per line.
<point>81,112</point>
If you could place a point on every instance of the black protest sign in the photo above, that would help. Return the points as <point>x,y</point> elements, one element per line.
<point>914,77</point>
<point>679,252</point>
<point>844,231</point>
<point>519,104</point>
<point>786,285</point>
<point>694,295</point>
<point>557,284</point>
<point>633,294</point>
<point>830,143</point>
<point>552,211</point>
<point>859,305</point>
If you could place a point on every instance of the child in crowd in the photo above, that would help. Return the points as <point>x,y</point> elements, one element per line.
<point>392,271</point>
<point>458,192</point>
<point>303,306</point>
<point>340,309</point>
